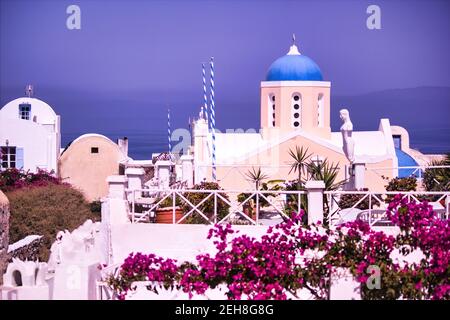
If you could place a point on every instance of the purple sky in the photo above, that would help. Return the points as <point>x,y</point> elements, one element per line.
<point>148,53</point>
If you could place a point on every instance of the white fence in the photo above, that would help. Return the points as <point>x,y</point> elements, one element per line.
<point>256,201</point>
<point>254,206</point>
<point>345,206</point>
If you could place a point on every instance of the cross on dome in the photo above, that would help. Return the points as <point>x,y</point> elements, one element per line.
<point>293,50</point>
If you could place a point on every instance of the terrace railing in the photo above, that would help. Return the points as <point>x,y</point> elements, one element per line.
<point>143,209</point>
<point>345,206</point>
<point>209,205</point>
<point>104,291</point>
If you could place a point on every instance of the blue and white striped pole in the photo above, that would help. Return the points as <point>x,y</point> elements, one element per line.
<point>205,99</point>
<point>213,122</point>
<point>168,130</point>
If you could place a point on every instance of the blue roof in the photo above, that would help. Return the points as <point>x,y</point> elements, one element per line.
<point>295,67</point>
<point>405,160</point>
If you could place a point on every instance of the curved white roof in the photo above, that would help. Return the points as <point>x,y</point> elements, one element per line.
<point>92,135</point>
<point>96,135</point>
<point>41,112</point>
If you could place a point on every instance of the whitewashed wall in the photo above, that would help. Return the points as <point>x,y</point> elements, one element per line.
<point>39,137</point>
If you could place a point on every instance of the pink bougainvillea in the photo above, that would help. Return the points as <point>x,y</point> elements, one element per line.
<point>13,179</point>
<point>292,256</point>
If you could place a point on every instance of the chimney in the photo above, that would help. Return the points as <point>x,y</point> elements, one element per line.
<point>29,90</point>
<point>123,145</point>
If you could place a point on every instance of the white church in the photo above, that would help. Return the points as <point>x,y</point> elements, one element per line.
<point>295,106</point>
<point>30,135</point>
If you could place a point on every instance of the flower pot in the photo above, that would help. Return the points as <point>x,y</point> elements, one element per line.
<point>250,210</point>
<point>165,215</point>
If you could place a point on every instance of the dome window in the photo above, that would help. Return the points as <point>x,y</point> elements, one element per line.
<point>271,108</point>
<point>296,109</point>
<point>320,111</point>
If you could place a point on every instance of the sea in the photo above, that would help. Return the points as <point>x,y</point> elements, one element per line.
<point>143,143</point>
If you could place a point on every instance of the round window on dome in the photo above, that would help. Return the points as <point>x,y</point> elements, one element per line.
<point>273,107</point>
<point>273,123</point>
<point>296,106</point>
<point>273,98</point>
<point>296,115</point>
<point>296,98</point>
<point>296,124</point>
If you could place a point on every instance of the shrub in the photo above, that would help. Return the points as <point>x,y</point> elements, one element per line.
<point>292,200</point>
<point>402,184</point>
<point>438,179</point>
<point>45,211</point>
<point>349,200</point>
<point>168,201</point>
<point>207,207</point>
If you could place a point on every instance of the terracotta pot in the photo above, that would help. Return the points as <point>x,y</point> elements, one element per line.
<point>165,215</point>
<point>250,211</point>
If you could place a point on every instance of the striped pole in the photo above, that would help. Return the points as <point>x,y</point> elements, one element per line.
<point>168,130</point>
<point>205,99</point>
<point>213,122</point>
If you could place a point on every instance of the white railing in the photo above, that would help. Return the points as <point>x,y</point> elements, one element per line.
<point>371,206</point>
<point>104,291</point>
<point>367,205</point>
<point>275,200</point>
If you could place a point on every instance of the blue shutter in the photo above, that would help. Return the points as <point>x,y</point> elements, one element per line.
<point>19,158</point>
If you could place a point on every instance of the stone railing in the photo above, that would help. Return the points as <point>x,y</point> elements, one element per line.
<point>4,233</point>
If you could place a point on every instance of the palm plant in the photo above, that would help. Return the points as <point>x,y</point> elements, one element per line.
<point>326,172</point>
<point>256,176</point>
<point>300,157</point>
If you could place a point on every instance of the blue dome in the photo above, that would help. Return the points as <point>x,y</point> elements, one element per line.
<point>294,67</point>
<point>405,160</point>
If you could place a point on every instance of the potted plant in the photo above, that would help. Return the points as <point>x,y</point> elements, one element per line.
<point>257,177</point>
<point>206,206</point>
<point>164,212</point>
<point>249,207</point>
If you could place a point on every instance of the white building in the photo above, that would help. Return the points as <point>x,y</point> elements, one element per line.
<point>30,136</point>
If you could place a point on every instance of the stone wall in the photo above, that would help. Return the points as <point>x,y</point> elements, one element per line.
<point>28,251</point>
<point>4,233</point>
